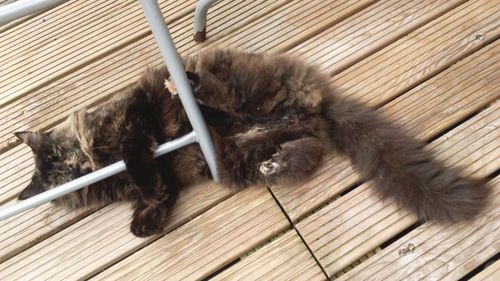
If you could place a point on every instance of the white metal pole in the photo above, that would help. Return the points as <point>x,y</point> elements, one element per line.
<point>200,20</point>
<point>21,8</point>
<point>199,134</point>
<point>176,69</point>
<point>88,179</point>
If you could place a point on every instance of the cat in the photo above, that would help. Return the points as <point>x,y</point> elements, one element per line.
<point>271,117</point>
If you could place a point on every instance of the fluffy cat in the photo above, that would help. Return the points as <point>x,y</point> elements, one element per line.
<point>272,118</point>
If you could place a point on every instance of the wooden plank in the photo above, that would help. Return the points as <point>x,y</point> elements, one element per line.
<point>379,25</point>
<point>187,29</point>
<point>285,258</point>
<point>52,103</point>
<point>426,110</point>
<point>96,81</point>
<point>90,85</point>
<point>490,273</point>
<point>358,222</point>
<point>70,36</point>
<point>285,27</point>
<point>36,25</point>
<point>16,169</point>
<point>441,252</point>
<point>205,244</point>
<point>144,52</point>
<point>25,230</point>
<point>422,53</point>
<point>104,235</point>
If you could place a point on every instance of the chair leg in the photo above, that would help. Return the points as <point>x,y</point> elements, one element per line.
<point>175,67</point>
<point>200,20</point>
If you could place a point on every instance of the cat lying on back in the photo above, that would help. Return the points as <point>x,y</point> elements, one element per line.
<point>272,118</point>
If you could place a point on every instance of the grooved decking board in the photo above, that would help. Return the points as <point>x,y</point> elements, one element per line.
<point>490,273</point>
<point>90,85</point>
<point>378,25</point>
<point>291,24</point>
<point>285,258</point>
<point>18,160</point>
<point>16,169</point>
<point>68,37</point>
<point>97,80</point>
<point>93,82</point>
<point>103,237</point>
<point>422,53</point>
<point>208,242</point>
<point>427,109</point>
<point>74,91</point>
<point>24,230</point>
<point>358,222</point>
<point>273,26</point>
<point>441,252</point>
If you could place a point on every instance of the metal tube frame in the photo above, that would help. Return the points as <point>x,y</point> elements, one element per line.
<point>21,8</point>
<point>200,20</point>
<point>167,48</point>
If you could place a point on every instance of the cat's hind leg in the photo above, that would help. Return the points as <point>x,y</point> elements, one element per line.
<point>293,162</point>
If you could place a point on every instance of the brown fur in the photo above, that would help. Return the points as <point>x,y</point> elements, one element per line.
<point>271,118</point>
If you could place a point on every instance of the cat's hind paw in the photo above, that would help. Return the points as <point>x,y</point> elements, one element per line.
<point>272,166</point>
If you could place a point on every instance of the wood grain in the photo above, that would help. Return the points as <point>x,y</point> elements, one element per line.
<point>490,273</point>
<point>379,25</point>
<point>358,222</point>
<point>441,252</point>
<point>103,235</point>
<point>68,37</point>
<point>285,258</point>
<point>90,85</point>
<point>388,40</point>
<point>295,22</point>
<point>25,230</point>
<point>82,90</point>
<point>426,110</point>
<point>422,53</point>
<point>97,80</point>
<point>208,242</point>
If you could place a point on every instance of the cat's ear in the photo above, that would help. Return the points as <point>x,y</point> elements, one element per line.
<point>32,139</point>
<point>30,191</point>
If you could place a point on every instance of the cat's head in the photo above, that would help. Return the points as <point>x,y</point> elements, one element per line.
<point>58,159</point>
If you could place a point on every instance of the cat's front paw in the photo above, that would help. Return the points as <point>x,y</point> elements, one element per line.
<point>147,222</point>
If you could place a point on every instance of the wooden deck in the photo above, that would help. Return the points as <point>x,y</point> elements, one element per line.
<point>432,66</point>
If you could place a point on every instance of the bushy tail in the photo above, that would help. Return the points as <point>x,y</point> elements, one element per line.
<point>400,166</point>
